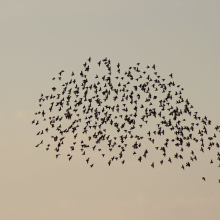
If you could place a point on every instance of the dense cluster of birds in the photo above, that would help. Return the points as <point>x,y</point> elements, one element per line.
<point>115,111</point>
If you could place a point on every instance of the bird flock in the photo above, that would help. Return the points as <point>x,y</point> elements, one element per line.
<point>117,112</point>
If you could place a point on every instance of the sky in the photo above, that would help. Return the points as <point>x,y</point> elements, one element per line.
<point>41,38</point>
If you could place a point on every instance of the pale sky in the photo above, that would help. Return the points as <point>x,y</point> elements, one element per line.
<point>41,38</point>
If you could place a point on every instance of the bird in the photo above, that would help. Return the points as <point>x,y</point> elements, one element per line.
<point>60,73</point>
<point>87,160</point>
<point>91,107</point>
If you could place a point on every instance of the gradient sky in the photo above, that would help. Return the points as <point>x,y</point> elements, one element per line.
<point>41,38</point>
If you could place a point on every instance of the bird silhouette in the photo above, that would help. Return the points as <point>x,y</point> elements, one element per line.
<point>92,107</point>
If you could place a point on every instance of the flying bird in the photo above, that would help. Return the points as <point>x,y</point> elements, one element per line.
<point>112,110</point>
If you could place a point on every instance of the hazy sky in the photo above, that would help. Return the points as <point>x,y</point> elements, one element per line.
<point>41,38</point>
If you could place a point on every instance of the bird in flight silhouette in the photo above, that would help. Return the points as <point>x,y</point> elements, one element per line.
<point>117,109</point>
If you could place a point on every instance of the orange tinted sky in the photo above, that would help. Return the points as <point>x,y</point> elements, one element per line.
<point>39,39</point>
